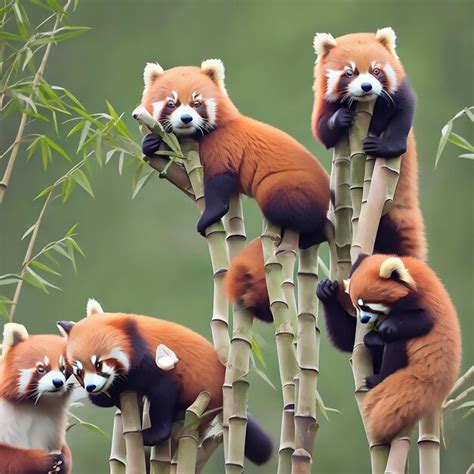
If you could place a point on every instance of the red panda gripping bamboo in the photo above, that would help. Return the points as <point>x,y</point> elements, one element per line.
<point>115,352</point>
<point>238,153</point>
<point>34,399</point>
<point>365,67</point>
<point>416,344</point>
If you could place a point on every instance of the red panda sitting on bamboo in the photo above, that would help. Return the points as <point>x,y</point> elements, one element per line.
<point>416,347</point>
<point>365,67</point>
<point>34,399</point>
<point>238,153</point>
<point>115,352</point>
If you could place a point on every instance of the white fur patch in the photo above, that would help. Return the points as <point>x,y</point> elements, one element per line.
<point>395,264</point>
<point>179,127</point>
<point>333,77</point>
<point>358,93</point>
<point>211,108</point>
<point>119,356</point>
<point>46,385</point>
<point>151,72</point>
<point>216,70</point>
<point>13,333</point>
<point>392,78</point>
<point>101,383</point>
<point>388,38</point>
<point>24,379</point>
<point>157,108</point>
<point>93,307</point>
<point>323,43</point>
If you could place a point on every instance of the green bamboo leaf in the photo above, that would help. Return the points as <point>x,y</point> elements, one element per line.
<point>70,95</point>
<point>71,230</point>
<point>45,153</point>
<point>120,163</point>
<point>469,413</point>
<point>75,31</point>
<point>76,128</point>
<point>141,183</point>
<point>28,232</point>
<point>84,133</point>
<point>264,377</point>
<point>21,20</point>
<point>75,245</point>
<point>110,154</point>
<point>56,147</point>
<point>56,6</point>
<point>43,267</point>
<point>323,266</point>
<point>98,149</point>
<point>465,405</point>
<point>44,192</point>
<point>82,180</point>
<point>460,142</point>
<point>28,56</point>
<point>9,281</point>
<point>55,123</point>
<point>34,280</point>
<point>258,353</point>
<point>468,156</point>
<point>10,36</point>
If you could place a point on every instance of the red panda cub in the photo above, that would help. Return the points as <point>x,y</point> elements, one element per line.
<point>365,67</point>
<point>238,153</point>
<point>34,398</point>
<point>115,352</point>
<point>416,346</point>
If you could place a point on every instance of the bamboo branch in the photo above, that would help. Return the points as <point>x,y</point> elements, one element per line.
<point>398,456</point>
<point>306,425</point>
<point>284,340</point>
<point>132,433</point>
<point>189,439</point>
<point>118,455</point>
<point>24,116</point>
<point>212,438</point>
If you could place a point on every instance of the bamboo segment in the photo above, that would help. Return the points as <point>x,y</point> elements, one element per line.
<point>429,443</point>
<point>132,426</point>
<point>189,439</point>
<point>234,226</point>
<point>211,440</point>
<point>160,458</point>
<point>118,455</point>
<point>308,362</point>
<point>284,341</point>
<point>398,458</point>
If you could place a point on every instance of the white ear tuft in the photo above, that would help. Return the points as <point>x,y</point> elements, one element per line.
<point>93,307</point>
<point>13,333</point>
<point>388,38</point>
<point>323,43</point>
<point>151,72</point>
<point>394,265</point>
<point>215,69</point>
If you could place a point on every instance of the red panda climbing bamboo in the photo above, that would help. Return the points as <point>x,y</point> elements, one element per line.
<point>115,352</point>
<point>34,396</point>
<point>238,154</point>
<point>365,67</point>
<point>417,343</point>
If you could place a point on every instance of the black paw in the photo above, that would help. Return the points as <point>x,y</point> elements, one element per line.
<point>343,118</point>
<point>208,218</point>
<point>388,329</point>
<point>327,290</point>
<point>150,144</point>
<point>57,464</point>
<point>373,340</point>
<point>153,436</point>
<point>378,147</point>
<point>372,380</point>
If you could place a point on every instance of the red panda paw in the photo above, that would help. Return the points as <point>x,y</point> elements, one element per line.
<point>342,119</point>
<point>327,290</point>
<point>372,380</point>
<point>57,465</point>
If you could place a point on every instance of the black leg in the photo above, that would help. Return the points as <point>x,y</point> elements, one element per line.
<point>163,399</point>
<point>105,401</point>
<point>394,358</point>
<point>375,344</point>
<point>405,326</point>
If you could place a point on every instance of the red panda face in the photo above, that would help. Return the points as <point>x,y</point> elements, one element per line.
<point>187,101</point>
<point>35,369</point>
<point>357,67</point>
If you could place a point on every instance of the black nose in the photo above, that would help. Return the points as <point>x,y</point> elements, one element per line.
<point>91,388</point>
<point>365,319</point>
<point>58,383</point>
<point>366,86</point>
<point>186,118</point>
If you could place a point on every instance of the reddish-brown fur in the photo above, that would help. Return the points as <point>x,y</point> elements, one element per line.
<point>405,214</point>
<point>198,367</point>
<point>29,461</point>
<point>407,395</point>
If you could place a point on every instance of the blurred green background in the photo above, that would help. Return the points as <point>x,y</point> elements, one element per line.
<point>144,255</point>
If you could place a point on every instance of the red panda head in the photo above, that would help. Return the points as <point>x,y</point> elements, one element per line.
<point>360,66</point>
<point>98,349</point>
<point>377,283</point>
<point>187,100</point>
<point>32,367</point>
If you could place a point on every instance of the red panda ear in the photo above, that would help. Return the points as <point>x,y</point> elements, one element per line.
<point>151,72</point>
<point>388,38</point>
<point>394,269</point>
<point>323,43</point>
<point>93,307</point>
<point>13,333</point>
<point>65,327</point>
<point>214,68</point>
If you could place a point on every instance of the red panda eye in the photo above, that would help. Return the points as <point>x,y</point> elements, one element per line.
<point>170,104</point>
<point>197,104</point>
<point>376,71</point>
<point>98,366</point>
<point>41,369</point>
<point>349,72</point>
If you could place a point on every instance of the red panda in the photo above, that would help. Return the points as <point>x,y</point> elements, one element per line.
<point>365,67</point>
<point>238,153</point>
<point>115,352</point>
<point>34,396</point>
<point>416,344</point>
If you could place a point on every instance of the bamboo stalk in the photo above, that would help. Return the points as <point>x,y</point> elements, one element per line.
<point>429,443</point>
<point>211,439</point>
<point>189,440</point>
<point>118,455</point>
<point>284,336</point>
<point>160,458</point>
<point>132,433</point>
<point>24,116</point>
<point>398,456</point>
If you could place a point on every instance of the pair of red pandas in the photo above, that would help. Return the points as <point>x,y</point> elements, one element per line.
<point>416,344</point>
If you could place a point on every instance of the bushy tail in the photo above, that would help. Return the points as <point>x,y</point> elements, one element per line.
<point>399,402</point>
<point>245,281</point>
<point>258,444</point>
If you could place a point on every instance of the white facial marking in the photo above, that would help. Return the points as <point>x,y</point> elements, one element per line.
<point>211,111</point>
<point>61,361</point>
<point>381,308</point>
<point>356,91</point>
<point>196,96</point>
<point>182,128</point>
<point>93,359</point>
<point>333,77</point>
<point>101,383</point>
<point>46,360</point>
<point>24,379</point>
<point>360,302</point>
<point>392,78</point>
<point>157,108</point>
<point>46,385</point>
<point>119,356</point>
<point>107,369</point>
